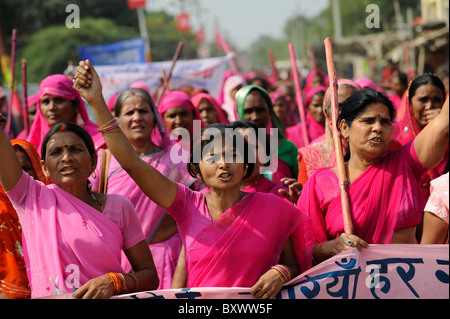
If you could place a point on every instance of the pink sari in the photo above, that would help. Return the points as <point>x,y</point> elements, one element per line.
<point>264,185</point>
<point>61,86</point>
<point>384,198</point>
<point>196,99</point>
<point>249,230</point>
<point>67,242</point>
<point>295,135</point>
<point>165,254</point>
<point>406,130</point>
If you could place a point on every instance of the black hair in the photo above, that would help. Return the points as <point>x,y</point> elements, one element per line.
<point>403,78</point>
<point>206,136</point>
<point>424,79</point>
<point>74,128</point>
<point>249,124</point>
<point>357,103</point>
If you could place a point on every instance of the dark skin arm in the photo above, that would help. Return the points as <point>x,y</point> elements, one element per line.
<point>144,269</point>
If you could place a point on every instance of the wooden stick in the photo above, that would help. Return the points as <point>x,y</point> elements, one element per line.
<point>340,165</point>
<point>25,97</point>
<point>226,48</point>
<point>298,94</point>
<point>407,59</point>
<point>275,74</point>
<point>312,57</point>
<point>13,63</point>
<point>165,83</point>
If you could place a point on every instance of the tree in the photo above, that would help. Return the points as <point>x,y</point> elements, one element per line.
<point>164,37</point>
<point>49,49</point>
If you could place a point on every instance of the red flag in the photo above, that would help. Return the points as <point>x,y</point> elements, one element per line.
<point>200,36</point>
<point>136,4</point>
<point>183,24</point>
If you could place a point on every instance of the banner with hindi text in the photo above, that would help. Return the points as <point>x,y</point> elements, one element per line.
<point>379,272</point>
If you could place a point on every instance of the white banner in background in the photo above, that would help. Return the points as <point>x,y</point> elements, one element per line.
<point>204,73</point>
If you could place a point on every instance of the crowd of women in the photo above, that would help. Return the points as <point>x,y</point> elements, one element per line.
<point>97,208</point>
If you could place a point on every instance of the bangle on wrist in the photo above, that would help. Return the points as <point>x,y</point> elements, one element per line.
<point>118,281</point>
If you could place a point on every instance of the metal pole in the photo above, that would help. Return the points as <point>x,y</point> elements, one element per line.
<point>144,33</point>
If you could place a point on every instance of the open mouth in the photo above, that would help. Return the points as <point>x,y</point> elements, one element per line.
<point>67,170</point>
<point>224,176</point>
<point>377,140</point>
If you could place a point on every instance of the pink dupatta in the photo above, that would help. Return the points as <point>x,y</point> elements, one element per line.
<point>150,214</point>
<point>217,252</point>
<point>384,198</point>
<point>66,241</point>
<point>196,99</point>
<point>314,129</point>
<point>406,130</point>
<point>61,86</point>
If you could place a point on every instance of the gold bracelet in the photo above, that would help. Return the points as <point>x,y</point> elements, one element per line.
<point>107,123</point>
<point>279,275</point>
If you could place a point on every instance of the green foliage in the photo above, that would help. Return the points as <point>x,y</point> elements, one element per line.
<point>301,31</point>
<point>164,37</point>
<point>49,49</point>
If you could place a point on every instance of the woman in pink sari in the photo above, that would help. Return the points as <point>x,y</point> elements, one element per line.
<point>223,226</point>
<point>231,85</point>
<point>320,152</point>
<point>58,102</point>
<point>73,237</point>
<point>208,108</point>
<point>315,78</point>
<point>143,126</point>
<point>254,104</point>
<point>13,277</point>
<point>435,220</point>
<point>423,102</point>
<point>315,118</point>
<point>384,188</point>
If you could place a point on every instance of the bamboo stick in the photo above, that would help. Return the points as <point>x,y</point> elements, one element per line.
<point>340,165</point>
<point>298,94</point>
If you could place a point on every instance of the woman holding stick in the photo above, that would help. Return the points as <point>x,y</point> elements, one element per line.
<point>218,228</point>
<point>384,189</point>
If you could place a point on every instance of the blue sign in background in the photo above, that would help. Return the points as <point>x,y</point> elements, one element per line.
<point>123,52</point>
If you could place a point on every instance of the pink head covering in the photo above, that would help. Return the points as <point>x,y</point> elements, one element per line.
<point>228,103</point>
<point>61,86</point>
<point>142,85</point>
<point>112,101</point>
<point>177,98</point>
<point>310,78</point>
<point>196,99</point>
<point>313,91</point>
<point>367,83</point>
<point>32,99</point>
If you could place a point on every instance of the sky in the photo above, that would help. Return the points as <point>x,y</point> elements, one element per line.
<point>243,21</point>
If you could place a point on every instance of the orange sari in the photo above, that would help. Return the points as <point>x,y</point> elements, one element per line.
<point>13,277</point>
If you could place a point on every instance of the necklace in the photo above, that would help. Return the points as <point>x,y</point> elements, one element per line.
<point>97,201</point>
